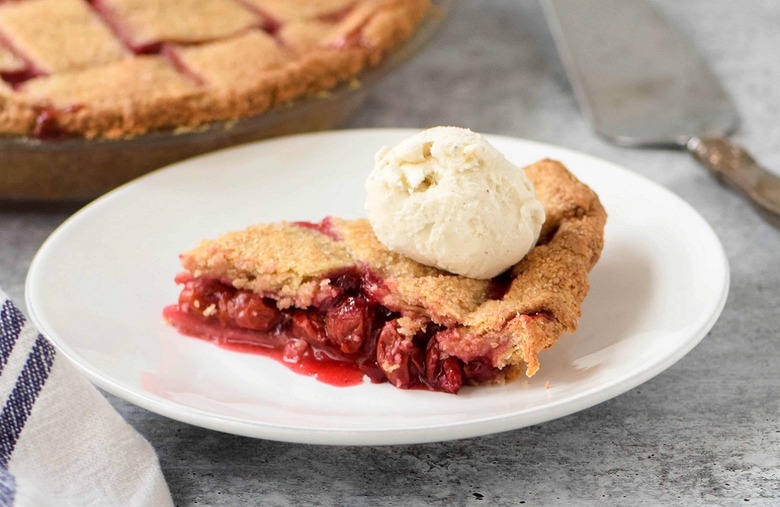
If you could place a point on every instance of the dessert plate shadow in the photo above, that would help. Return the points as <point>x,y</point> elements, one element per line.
<point>98,285</point>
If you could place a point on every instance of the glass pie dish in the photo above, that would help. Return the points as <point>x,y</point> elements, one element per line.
<point>78,169</point>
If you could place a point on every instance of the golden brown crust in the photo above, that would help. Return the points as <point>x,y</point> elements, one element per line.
<point>80,40</point>
<point>542,301</point>
<point>285,11</point>
<point>282,259</point>
<point>146,22</point>
<point>316,56</point>
<point>215,63</point>
<point>9,63</point>
<point>16,115</point>
<point>146,76</point>
<point>115,97</point>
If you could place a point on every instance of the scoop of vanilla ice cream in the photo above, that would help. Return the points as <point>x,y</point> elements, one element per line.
<point>446,197</point>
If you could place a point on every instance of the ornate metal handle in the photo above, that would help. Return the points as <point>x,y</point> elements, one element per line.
<point>736,165</point>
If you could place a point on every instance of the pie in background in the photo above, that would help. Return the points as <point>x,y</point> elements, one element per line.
<point>120,68</point>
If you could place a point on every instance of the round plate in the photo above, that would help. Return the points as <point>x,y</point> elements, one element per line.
<point>98,285</point>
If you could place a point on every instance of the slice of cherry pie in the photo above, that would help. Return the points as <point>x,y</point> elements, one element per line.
<point>330,291</point>
<point>119,68</point>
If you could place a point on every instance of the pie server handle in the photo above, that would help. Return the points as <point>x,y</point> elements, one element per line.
<point>738,167</point>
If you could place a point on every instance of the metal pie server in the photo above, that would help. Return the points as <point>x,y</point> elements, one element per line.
<point>642,84</point>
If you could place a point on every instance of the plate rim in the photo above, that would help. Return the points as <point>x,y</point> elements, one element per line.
<point>415,435</point>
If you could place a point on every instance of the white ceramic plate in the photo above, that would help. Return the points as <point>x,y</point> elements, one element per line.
<point>98,285</point>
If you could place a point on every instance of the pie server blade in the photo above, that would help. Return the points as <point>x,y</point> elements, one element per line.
<point>641,83</point>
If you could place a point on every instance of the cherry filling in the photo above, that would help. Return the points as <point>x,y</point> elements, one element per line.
<point>17,77</point>
<point>325,226</point>
<point>47,124</point>
<point>349,331</point>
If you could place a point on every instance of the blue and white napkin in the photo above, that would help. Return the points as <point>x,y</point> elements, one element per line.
<point>61,442</point>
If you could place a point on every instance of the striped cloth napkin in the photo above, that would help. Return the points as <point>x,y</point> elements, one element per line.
<point>61,442</point>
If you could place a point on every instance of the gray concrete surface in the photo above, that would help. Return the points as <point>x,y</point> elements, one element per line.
<point>705,432</point>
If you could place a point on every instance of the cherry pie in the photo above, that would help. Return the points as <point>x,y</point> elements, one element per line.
<point>330,291</point>
<point>119,68</point>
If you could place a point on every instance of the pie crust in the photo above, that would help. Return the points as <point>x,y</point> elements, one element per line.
<point>120,68</point>
<point>480,331</point>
